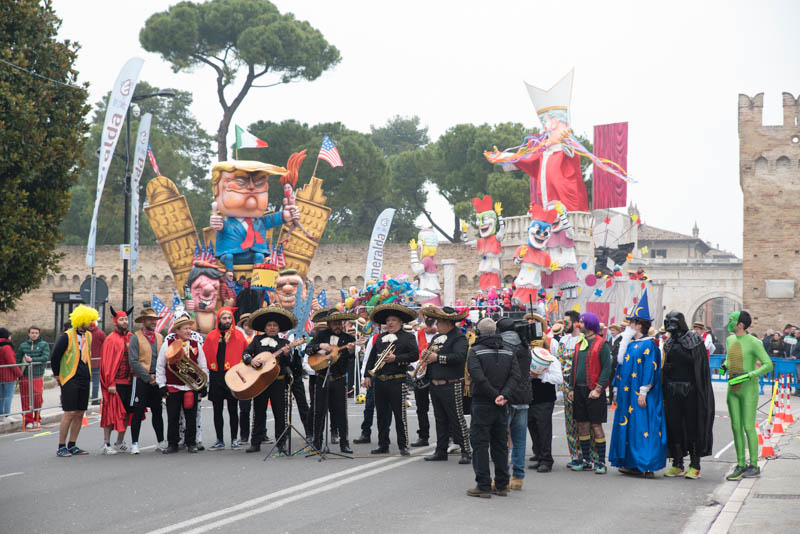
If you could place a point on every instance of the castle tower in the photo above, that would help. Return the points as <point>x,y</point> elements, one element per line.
<point>769,175</point>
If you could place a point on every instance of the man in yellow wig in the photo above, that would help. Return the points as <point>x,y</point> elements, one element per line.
<point>72,368</point>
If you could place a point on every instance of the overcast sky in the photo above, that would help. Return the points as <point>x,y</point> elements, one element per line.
<point>673,73</point>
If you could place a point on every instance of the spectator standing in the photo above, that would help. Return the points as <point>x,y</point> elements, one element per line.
<point>8,375</point>
<point>789,342</point>
<point>98,337</point>
<point>776,348</point>
<point>36,352</point>
<point>767,338</point>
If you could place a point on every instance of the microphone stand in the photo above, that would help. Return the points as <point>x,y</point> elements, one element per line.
<point>323,454</point>
<point>289,428</point>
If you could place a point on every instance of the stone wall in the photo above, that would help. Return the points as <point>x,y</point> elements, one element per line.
<point>769,165</point>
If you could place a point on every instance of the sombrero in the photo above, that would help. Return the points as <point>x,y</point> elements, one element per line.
<point>146,313</point>
<point>445,314</point>
<point>337,315</point>
<point>285,319</point>
<point>381,312</point>
<point>180,321</point>
<point>322,315</point>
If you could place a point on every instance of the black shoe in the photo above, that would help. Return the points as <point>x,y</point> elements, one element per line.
<point>420,443</point>
<point>544,468</point>
<point>334,440</point>
<point>344,446</point>
<point>267,439</point>
<point>436,457</point>
<point>254,447</point>
<point>380,450</point>
<point>192,449</point>
<point>181,446</point>
<point>535,465</point>
<point>465,458</point>
<point>405,452</point>
<point>199,447</point>
<point>533,459</point>
<point>362,439</point>
<point>169,450</point>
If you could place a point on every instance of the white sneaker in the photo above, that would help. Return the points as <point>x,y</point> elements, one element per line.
<point>108,450</point>
<point>29,425</point>
<point>162,445</point>
<point>121,447</point>
<point>134,448</point>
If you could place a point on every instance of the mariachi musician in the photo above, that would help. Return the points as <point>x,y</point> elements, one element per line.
<point>331,393</point>
<point>446,374</point>
<point>388,364</point>
<point>180,394</point>
<point>271,320</point>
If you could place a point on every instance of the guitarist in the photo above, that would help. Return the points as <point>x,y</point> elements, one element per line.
<point>333,394</point>
<point>271,320</point>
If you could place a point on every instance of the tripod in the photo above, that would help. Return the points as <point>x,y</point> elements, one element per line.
<point>323,454</point>
<point>287,432</point>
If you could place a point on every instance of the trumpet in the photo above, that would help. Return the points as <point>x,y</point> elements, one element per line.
<point>188,371</point>
<point>418,373</point>
<point>382,358</point>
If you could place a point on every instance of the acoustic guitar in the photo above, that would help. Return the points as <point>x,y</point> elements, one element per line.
<point>246,381</point>
<point>320,361</point>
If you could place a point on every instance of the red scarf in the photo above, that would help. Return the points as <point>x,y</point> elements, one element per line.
<point>150,335</point>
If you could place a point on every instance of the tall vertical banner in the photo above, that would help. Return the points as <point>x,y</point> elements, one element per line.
<point>380,232</point>
<point>118,103</point>
<point>139,161</point>
<point>611,143</point>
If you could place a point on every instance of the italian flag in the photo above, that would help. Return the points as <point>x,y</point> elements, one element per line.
<point>245,139</point>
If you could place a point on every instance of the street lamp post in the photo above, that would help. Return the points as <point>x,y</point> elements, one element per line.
<point>169,93</point>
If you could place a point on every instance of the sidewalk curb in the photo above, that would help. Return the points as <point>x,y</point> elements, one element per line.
<point>50,416</point>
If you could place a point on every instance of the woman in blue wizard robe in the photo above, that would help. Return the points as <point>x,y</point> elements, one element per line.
<point>639,434</point>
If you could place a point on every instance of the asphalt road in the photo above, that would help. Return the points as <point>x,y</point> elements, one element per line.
<point>233,491</point>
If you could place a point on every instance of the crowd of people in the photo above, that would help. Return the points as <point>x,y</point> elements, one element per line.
<point>506,374</point>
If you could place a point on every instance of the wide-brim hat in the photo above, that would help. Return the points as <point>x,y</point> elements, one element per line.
<point>180,321</point>
<point>381,312</point>
<point>337,315</point>
<point>243,318</point>
<point>557,329</point>
<point>698,324</point>
<point>322,315</point>
<point>146,313</point>
<point>445,314</point>
<point>285,319</point>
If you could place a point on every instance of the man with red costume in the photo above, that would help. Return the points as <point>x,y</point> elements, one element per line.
<point>223,348</point>
<point>115,382</point>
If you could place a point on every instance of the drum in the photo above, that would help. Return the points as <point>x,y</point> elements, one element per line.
<point>540,360</point>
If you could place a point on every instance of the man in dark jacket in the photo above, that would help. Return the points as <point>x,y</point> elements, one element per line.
<point>495,374</point>
<point>519,401</point>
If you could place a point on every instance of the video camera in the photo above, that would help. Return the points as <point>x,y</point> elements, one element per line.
<point>528,332</point>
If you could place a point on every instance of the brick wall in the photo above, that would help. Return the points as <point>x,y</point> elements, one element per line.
<point>769,163</point>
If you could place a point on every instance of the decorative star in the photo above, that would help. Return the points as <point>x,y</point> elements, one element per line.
<point>598,292</point>
<point>638,360</point>
<point>627,358</point>
<point>646,434</point>
<point>630,409</point>
<point>633,375</point>
<point>647,351</point>
<point>625,388</point>
<point>607,220</point>
<point>636,346</point>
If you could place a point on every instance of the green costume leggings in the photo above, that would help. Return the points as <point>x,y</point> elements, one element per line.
<point>742,407</point>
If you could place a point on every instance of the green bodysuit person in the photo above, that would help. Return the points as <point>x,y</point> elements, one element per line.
<point>743,352</point>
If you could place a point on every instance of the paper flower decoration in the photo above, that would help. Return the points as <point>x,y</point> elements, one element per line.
<point>598,292</point>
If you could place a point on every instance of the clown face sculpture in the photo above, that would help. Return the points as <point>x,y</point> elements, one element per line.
<point>429,242</point>
<point>487,223</point>
<point>286,286</point>
<point>541,226</point>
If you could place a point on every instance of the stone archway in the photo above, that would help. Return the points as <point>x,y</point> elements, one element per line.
<point>713,310</point>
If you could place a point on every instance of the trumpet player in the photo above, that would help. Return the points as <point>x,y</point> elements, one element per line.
<point>180,396</point>
<point>388,364</point>
<point>422,396</point>
<point>446,369</point>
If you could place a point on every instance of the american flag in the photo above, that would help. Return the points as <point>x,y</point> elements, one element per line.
<point>165,315</point>
<point>322,299</point>
<point>329,153</point>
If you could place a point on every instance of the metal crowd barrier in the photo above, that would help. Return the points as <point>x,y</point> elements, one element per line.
<point>781,366</point>
<point>30,387</point>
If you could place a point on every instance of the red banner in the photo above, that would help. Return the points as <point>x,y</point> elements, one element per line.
<point>611,143</point>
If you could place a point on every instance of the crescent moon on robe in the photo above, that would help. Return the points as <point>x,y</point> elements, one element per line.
<point>655,366</point>
<point>626,421</point>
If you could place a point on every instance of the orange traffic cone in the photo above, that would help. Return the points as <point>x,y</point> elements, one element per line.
<point>787,408</point>
<point>85,421</point>
<point>779,399</point>
<point>760,437</point>
<point>767,450</point>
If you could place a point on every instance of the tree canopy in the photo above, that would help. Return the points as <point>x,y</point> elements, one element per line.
<point>182,150</point>
<point>232,36</point>
<point>42,122</point>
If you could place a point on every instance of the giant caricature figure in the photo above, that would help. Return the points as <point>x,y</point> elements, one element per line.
<point>744,350</point>
<point>423,263</point>
<point>532,258</point>
<point>491,228</point>
<point>241,198</point>
<point>561,248</point>
<point>203,281</point>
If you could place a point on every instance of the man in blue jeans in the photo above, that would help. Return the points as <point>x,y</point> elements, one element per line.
<point>519,401</point>
<point>495,375</point>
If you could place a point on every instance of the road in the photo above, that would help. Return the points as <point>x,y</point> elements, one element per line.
<point>233,491</point>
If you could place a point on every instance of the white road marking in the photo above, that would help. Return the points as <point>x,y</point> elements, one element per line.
<point>10,474</point>
<point>260,500</point>
<point>297,497</point>
<point>725,448</point>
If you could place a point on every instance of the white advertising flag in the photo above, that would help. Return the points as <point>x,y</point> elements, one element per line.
<point>380,232</point>
<point>139,161</point>
<point>117,107</point>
